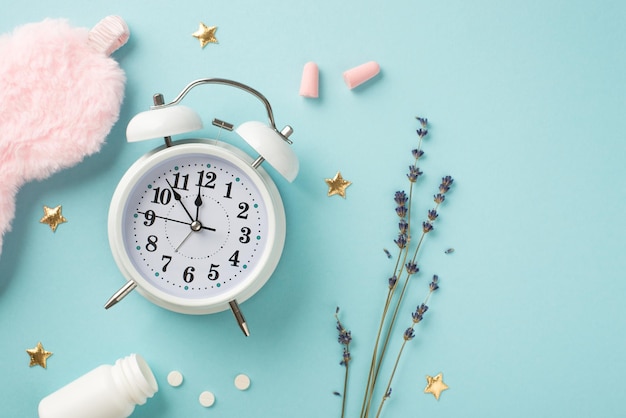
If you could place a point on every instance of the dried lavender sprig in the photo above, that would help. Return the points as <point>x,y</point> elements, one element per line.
<point>409,334</point>
<point>404,226</point>
<point>344,338</point>
<point>426,228</point>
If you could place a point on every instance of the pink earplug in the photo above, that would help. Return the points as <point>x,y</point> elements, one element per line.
<point>359,75</point>
<point>310,80</point>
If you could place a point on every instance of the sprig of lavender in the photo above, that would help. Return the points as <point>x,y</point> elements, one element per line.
<point>408,335</point>
<point>405,268</point>
<point>403,210</point>
<point>411,269</point>
<point>344,338</point>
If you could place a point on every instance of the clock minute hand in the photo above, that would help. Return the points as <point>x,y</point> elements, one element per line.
<point>177,221</point>
<point>179,199</point>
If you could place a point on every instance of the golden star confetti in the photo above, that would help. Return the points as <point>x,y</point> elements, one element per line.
<point>337,185</point>
<point>435,385</point>
<point>206,34</point>
<point>38,356</point>
<point>53,217</point>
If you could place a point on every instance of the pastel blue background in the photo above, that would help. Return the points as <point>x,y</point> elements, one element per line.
<point>526,102</point>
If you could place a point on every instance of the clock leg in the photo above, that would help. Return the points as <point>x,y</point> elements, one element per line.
<point>234,306</point>
<point>121,294</point>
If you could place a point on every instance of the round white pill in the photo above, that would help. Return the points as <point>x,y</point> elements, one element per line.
<point>206,399</point>
<point>242,382</point>
<point>175,378</point>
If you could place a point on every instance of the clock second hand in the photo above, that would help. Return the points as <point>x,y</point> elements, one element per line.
<point>183,241</point>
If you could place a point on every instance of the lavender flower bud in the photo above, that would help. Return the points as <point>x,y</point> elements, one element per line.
<point>345,336</point>
<point>401,241</point>
<point>346,357</point>
<point>439,198</point>
<point>411,268</point>
<point>418,315</point>
<point>392,281</point>
<point>417,153</point>
<point>401,198</point>
<point>432,215</point>
<point>427,227</point>
<point>434,285</point>
<point>422,132</point>
<point>388,394</point>
<point>414,173</point>
<point>422,121</point>
<point>446,182</point>
<point>403,226</point>
<point>401,211</point>
<point>409,334</point>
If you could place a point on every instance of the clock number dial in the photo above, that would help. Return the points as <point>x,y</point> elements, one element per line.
<point>244,209</point>
<point>245,238</point>
<point>234,259</point>
<point>210,182</point>
<point>188,274</point>
<point>205,252</point>
<point>150,218</point>
<point>162,196</point>
<point>178,184</point>
<point>213,273</point>
<point>229,187</point>
<point>151,245</point>
<point>169,260</point>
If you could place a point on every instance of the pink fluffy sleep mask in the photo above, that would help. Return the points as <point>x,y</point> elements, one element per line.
<point>60,95</point>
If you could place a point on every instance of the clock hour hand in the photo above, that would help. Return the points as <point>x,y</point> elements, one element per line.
<point>179,199</point>
<point>198,201</point>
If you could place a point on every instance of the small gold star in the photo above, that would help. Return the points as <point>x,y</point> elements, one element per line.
<point>206,34</point>
<point>53,217</point>
<point>435,385</point>
<point>38,356</point>
<point>337,185</point>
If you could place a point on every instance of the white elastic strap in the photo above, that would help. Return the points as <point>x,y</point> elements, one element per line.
<point>109,34</point>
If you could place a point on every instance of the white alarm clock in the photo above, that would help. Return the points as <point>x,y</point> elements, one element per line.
<point>198,226</point>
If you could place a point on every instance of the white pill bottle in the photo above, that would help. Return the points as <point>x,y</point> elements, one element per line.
<point>105,392</point>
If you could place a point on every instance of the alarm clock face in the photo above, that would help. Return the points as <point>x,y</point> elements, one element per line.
<point>195,226</point>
